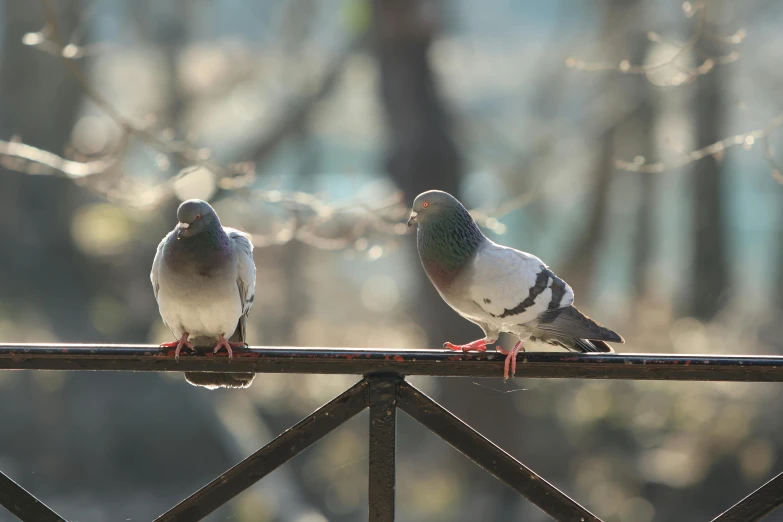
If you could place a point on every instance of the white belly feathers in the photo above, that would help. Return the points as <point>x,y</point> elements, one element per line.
<point>203,310</point>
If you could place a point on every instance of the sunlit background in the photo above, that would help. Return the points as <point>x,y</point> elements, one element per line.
<point>628,143</point>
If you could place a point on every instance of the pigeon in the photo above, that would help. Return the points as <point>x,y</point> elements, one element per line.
<point>204,280</point>
<point>500,289</point>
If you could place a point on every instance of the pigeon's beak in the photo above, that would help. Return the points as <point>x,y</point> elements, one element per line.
<point>412,219</point>
<point>181,228</point>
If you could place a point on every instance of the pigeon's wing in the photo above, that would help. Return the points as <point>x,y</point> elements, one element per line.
<point>515,287</point>
<point>156,265</point>
<point>242,247</point>
<point>570,323</point>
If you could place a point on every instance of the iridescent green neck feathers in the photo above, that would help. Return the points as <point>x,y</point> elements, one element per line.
<point>446,242</point>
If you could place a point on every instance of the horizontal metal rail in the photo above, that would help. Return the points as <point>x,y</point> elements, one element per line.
<point>150,358</point>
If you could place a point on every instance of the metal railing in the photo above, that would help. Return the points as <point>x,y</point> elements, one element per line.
<point>383,390</point>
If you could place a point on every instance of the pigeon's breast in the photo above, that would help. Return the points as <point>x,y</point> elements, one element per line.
<point>190,260</point>
<point>440,276</point>
<point>204,303</point>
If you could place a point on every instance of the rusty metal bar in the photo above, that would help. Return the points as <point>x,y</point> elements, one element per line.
<point>757,505</point>
<point>23,504</point>
<point>383,432</point>
<point>492,458</point>
<point>404,362</point>
<point>270,457</point>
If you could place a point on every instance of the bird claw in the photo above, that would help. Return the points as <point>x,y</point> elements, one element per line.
<point>228,345</point>
<point>475,346</point>
<point>182,342</point>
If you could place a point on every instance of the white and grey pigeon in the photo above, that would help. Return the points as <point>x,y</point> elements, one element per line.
<point>496,287</point>
<point>204,280</point>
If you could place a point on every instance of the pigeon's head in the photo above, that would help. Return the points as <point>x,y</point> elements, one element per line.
<point>195,216</point>
<point>430,205</point>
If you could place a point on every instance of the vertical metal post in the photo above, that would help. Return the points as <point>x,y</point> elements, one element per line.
<point>383,433</point>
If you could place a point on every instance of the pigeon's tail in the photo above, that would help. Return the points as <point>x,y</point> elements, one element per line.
<point>584,345</point>
<point>213,381</point>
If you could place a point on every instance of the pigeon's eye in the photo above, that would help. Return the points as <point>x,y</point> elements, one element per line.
<point>425,204</point>
<point>198,216</point>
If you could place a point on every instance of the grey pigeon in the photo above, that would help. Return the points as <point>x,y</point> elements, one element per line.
<point>204,280</point>
<point>496,287</point>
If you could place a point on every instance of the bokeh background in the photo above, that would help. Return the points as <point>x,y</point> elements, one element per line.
<point>629,143</point>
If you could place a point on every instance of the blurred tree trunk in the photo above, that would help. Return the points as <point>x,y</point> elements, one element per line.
<point>39,103</point>
<point>295,31</point>
<point>169,32</point>
<point>645,228</point>
<point>709,272</point>
<point>778,292</point>
<point>641,130</point>
<point>580,267</point>
<point>626,135</point>
<point>421,153</point>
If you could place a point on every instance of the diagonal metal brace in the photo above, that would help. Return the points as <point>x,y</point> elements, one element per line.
<point>23,504</point>
<point>757,505</point>
<point>489,456</point>
<point>264,461</point>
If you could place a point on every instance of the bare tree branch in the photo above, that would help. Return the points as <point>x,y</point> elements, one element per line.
<point>368,230</point>
<point>687,74</point>
<point>18,156</point>
<point>747,140</point>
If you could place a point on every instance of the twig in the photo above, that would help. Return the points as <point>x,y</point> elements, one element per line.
<point>15,155</point>
<point>187,154</point>
<point>747,140</point>
<point>686,74</point>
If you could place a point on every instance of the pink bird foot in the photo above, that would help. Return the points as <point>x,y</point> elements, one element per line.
<point>511,358</point>
<point>228,345</point>
<point>181,343</point>
<point>479,345</point>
